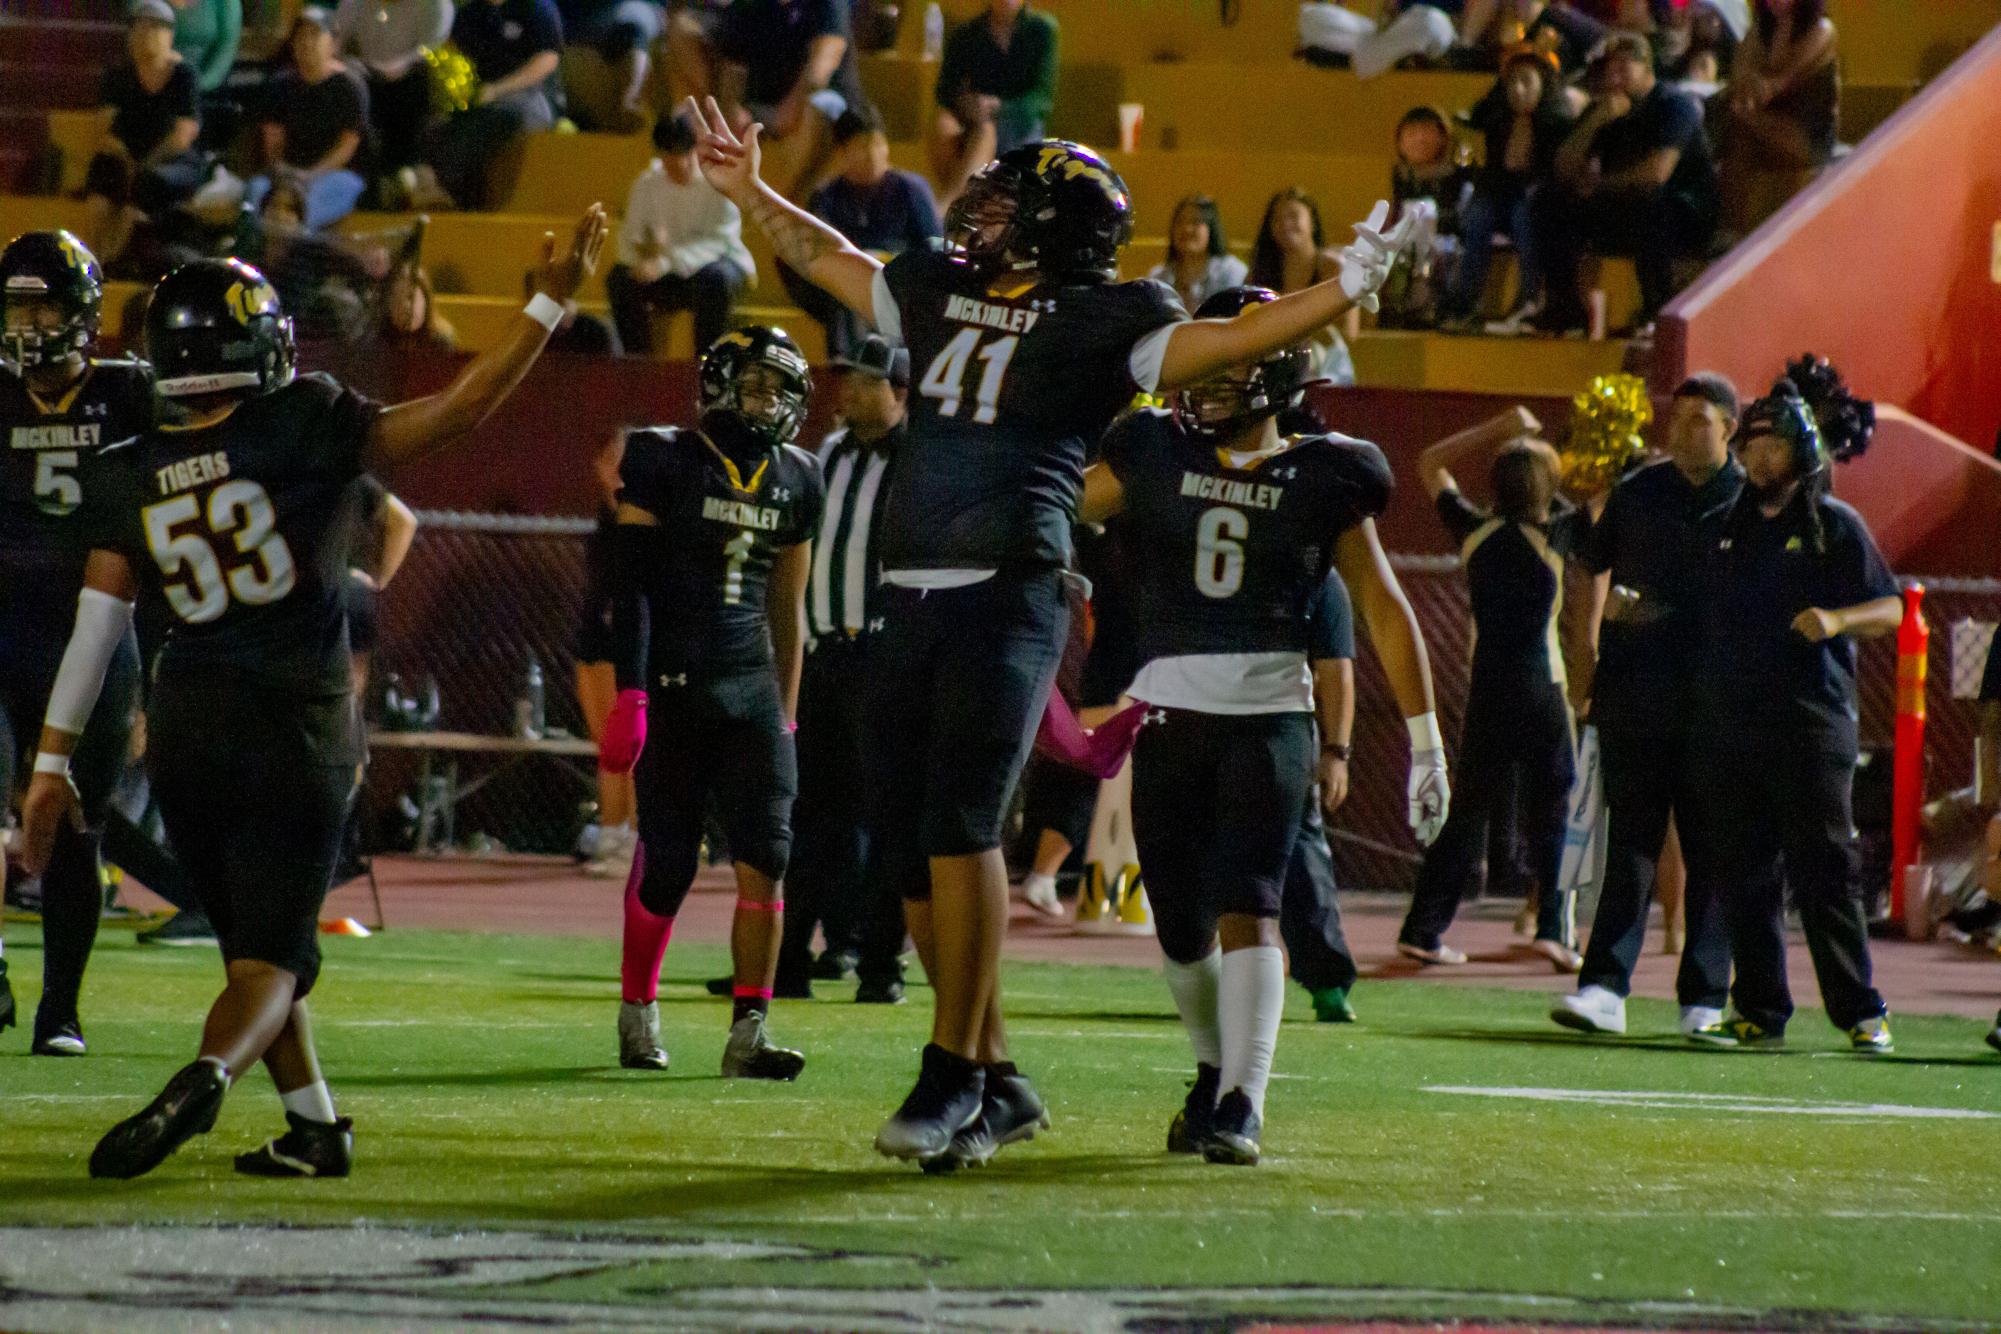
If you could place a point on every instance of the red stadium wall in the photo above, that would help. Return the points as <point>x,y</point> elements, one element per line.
<point>1886,265</point>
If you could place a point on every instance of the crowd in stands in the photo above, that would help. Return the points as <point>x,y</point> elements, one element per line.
<point>1654,129</point>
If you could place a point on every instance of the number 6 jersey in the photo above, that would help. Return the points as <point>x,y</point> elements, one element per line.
<point>1233,551</point>
<point>1009,388</point>
<point>237,528</point>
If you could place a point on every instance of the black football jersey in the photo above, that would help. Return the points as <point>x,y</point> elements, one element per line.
<point>1230,559</point>
<point>51,457</point>
<point>237,528</point>
<point>1008,392</point>
<point>706,571</point>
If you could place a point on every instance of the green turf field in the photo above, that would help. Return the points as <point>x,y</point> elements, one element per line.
<point>1704,1188</point>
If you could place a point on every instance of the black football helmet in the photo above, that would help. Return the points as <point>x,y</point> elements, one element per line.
<point>214,326</point>
<point>55,267</point>
<point>1783,413</point>
<point>1051,205</point>
<point>723,368</point>
<point>1224,404</point>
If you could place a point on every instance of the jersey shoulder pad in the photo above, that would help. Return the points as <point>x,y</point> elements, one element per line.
<point>1150,298</point>
<point>1356,471</point>
<point>801,464</point>
<point>916,270</point>
<point>1144,433</point>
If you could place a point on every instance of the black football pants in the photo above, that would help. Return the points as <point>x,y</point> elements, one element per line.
<point>1309,912</point>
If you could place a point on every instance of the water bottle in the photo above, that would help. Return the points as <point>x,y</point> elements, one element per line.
<point>528,705</point>
<point>934,31</point>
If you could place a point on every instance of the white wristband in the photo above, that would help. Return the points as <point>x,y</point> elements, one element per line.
<point>1424,733</point>
<point>46,763</point>
<point>545,311</point>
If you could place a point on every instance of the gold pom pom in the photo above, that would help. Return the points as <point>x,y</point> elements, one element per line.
<point>1606,425</point>
<point>454,85</point>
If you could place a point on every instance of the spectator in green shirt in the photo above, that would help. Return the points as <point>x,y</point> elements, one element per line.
<point>206,33</point>
<point>996,84</point>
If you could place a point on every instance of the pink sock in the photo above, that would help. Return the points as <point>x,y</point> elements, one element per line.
<point>646,937</point>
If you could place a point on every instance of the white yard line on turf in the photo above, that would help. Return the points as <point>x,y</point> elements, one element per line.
<point>1666,1100</point>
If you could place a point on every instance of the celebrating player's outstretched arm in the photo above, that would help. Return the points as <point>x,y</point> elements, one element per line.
<point>410,430</point>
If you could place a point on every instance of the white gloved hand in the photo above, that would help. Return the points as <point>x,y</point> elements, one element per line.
<point>1430,795</point>
<point>1366,260</point>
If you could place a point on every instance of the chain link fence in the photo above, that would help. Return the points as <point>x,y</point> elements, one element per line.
<point>483,595</point>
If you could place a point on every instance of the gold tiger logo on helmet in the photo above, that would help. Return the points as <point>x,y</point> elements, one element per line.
<point>247,301</point>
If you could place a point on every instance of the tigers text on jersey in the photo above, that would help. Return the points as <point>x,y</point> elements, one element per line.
<point>1011,388</point>
<point>48,456</point>
<point>705,568</point>
<point>238,528</point>
<point>1235,556</point>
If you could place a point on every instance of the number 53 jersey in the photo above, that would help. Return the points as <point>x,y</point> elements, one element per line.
<point>240,529</point>
<point>704,564</point>
<point>1233,550</point>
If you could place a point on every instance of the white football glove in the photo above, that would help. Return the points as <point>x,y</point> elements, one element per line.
<point>1430,795</point>
<point>1366,260</point>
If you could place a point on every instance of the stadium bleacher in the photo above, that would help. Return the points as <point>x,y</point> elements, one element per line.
<point>1226,112</point>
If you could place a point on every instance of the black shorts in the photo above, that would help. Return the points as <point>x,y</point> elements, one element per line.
<point>723,737</point>
<point>254,802</point>
<point>594,638</point>
<point>959,680</point>
<point>1216,802</point>
<point>27,674</point>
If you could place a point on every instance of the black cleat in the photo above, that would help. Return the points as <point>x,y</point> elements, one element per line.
<point>833,966</point>
<point>308,1149</point>
<point>1233,1133</point>
<point>879,992</point>
<point>749,1054</point>
<point>1189,1130</point>
<point>185,1108</point>
<point>58,1037</point>
<point>721,986</point>
<point>188,927</point>
<point>7,1017</point>
<point>945,1100</point>
<point>1010,1112</point>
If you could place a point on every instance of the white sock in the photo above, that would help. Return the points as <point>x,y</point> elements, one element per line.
<point>1251,998</point>
<point>313,1102</point>
<point>1194,988</point>
<point>1035,880</point>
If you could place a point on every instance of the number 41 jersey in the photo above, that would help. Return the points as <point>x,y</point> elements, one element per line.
<point>1009,389</point>
<point>1232,556</point>
<point>238,527</point>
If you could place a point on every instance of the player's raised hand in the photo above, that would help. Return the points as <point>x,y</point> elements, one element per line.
<point>1366,260</point>
<point>559,277</point>
<point>51,801</point>
<point>729,162</point>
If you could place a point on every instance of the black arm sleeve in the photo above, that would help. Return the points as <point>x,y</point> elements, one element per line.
<point>631,619</point>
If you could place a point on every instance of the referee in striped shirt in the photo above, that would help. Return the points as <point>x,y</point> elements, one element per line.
<point>827,883</point>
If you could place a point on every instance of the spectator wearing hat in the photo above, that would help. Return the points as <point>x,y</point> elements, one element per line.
<point>828,884</point>
<point>1633,177</point>
<point>1524,119</point>
<point>149,116</point>
<point>788,65</point>
<point>996,86</point>
<point>384,40</point>
<point>318,125</point>
<point>680,247</point>
<point>881,209</point>
<point>514,47</point>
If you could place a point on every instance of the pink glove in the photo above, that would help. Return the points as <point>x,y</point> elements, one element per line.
<point>624,733</point>
<point>1098,752</point>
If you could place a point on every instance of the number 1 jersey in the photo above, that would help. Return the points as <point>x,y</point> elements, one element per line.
<point>239,528</point>
<point>1011,387</point>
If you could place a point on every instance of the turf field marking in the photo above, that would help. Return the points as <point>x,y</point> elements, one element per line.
<point>1665,1100</point>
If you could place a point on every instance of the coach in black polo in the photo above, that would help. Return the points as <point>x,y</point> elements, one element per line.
<point>828,885</point>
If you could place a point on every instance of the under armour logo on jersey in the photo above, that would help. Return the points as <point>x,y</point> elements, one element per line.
<point>678,679</point>
<point>1045,304</point>
<point>1155,716</point>
<point>781,493</point>
<point>97,409</point>
<point>875,624</point>
<point>1286,473</point>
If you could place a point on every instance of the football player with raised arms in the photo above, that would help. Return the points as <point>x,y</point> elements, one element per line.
<point>59,408</point>
<point>708,576</point>
<point>228,512</point>
<point>1023,348</point>
<point>1240,524</point>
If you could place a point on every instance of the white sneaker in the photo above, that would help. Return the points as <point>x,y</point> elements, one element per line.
<point>1561,957</point>
<point>1039,893</point>
<point>1694,1017</point>
<point>1443,955</point>
<point>639,1036</point>
<point>1591,1010</point>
